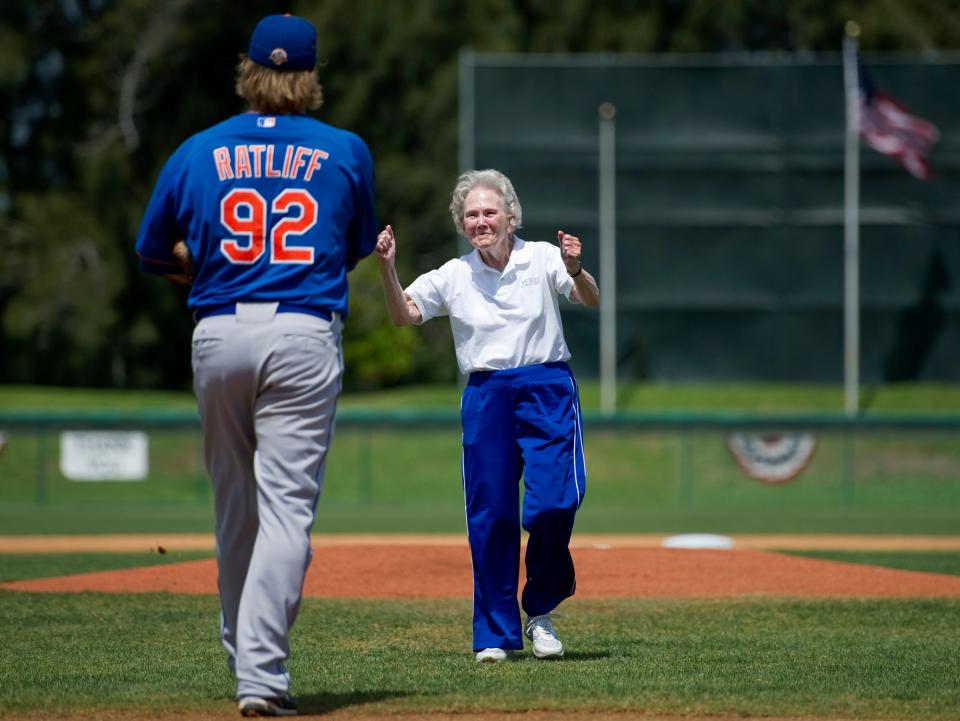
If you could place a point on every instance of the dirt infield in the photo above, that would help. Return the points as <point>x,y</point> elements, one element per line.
<point>411,570</point>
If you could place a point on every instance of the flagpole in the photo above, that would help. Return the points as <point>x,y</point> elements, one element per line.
<point>851,223</point>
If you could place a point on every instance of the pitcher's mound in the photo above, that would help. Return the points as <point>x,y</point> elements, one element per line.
<point>438,571</point>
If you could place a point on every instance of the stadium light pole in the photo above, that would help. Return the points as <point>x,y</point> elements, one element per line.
<point>467,123</point>
<point>607,204</point>
<point>851,224</point>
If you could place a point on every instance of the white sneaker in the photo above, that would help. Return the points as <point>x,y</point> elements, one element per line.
<point>491,655</point>
<point>539,629</point>
<point>252,706</point>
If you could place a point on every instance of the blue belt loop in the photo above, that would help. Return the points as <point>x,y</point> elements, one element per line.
<point>319,312</point>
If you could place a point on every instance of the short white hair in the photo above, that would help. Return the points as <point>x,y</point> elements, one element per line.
<point>494,180</point>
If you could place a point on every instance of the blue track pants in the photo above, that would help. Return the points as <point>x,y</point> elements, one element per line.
<point>521,421</point>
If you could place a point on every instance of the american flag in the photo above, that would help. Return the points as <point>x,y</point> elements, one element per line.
<point>892,130</point>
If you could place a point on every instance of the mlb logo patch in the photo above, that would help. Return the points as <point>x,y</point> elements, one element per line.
<point>267,122</point>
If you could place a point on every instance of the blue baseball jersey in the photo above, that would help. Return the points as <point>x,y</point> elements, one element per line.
<point>272,208</point>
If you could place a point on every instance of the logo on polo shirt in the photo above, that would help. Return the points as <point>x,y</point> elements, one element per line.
<point>529,281</point>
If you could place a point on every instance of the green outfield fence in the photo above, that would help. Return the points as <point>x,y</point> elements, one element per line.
<point>728,172</point>
<point>400,471</point>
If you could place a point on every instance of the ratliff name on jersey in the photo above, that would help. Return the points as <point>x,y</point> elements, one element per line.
<point>257,161</point>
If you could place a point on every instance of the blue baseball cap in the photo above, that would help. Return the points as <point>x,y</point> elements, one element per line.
<point>284,42</point>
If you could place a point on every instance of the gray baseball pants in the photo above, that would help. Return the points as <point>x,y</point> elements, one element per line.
<point>267,385</point>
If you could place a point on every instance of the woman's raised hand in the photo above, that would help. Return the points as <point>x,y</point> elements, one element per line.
<point>570,250</point>
<point>386,245</point>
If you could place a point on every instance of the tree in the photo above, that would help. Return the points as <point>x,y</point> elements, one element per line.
<point>98,93</point>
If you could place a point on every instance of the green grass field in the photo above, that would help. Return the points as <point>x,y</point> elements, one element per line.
<point>637,482</point>
<point>928,561</point>
<point>757,397</point>
<point>159,653</point>
<point>657,481</point>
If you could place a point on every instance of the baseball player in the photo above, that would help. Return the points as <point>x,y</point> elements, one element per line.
<point>520,408</point>
<point>273,208</point>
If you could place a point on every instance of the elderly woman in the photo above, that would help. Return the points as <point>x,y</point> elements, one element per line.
<point>520,408</point>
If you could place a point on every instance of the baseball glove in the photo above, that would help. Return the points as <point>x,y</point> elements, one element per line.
<point>182,253</point>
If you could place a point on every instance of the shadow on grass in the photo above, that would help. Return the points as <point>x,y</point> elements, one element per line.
<point>527,657</point>
<point>317,704</point>
<point>584,656</point>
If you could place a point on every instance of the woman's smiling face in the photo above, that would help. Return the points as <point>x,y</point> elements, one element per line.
<point>484,221</point>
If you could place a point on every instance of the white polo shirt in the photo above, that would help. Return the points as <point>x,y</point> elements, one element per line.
<point>499,320</point>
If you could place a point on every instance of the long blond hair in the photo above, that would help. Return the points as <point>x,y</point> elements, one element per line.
<point>274,92</point>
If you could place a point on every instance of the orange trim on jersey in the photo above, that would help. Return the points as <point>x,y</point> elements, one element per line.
<point>175,264</point>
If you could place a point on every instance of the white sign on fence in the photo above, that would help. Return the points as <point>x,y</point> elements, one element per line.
<point>104,455</point>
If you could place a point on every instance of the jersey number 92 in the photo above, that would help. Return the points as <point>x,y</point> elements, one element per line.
<point>243,212</point>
